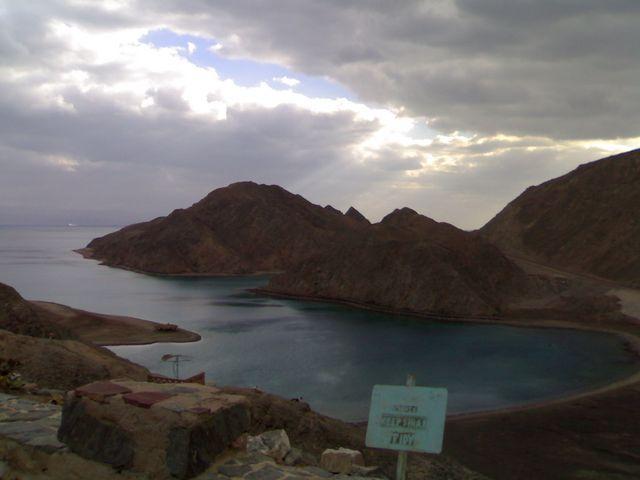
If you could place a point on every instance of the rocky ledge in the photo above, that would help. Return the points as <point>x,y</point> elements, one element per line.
<point>162,430</point>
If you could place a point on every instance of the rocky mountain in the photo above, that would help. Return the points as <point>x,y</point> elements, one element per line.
<point>586,220</point>
<point>22,317</point>
<point>405,262</point>
<point>410,263</point>
<point>243,228</point>
<point>356,215</point>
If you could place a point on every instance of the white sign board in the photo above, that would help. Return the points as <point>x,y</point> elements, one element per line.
<point>409,419</point>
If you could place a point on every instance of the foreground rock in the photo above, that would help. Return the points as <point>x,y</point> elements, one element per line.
<point>160,430</point>
<point>314,433</point>
<point>257,467</point>
<point>585,220</point>
<point>342,460</point>
<point>274,444</point>
<point>30,423</point>
<point>32,450</point>
<point>64,364</point>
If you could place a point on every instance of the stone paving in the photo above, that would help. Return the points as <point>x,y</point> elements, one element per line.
<point>36,424</point>
<point>30,423</point>
<point>261,467</point>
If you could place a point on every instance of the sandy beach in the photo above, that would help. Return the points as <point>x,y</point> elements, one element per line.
<point>589,435</point>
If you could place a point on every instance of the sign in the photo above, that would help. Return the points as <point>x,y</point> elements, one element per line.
<point>407,419</point>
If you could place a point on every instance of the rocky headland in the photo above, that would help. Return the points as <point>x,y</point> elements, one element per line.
<point>55,346</point>
<point>244,228</point>
<point>407,262</point>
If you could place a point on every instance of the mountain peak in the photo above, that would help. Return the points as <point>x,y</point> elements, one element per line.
<point>331,209</point>
<point>356,215</point>
<point>400,216</point>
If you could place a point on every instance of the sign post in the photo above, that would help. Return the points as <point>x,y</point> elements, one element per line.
<point>407,419</point>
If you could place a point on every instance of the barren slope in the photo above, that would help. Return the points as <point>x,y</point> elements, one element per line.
<point>408,262</point>
<point>586,220</point>
<point>243,228</point>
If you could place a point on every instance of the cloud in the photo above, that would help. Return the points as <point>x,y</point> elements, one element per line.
<point>288,81</point>
<point>461,104</point>
<point>565,70</point>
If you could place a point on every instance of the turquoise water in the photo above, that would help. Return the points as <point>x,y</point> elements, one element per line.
<point>331,356</point>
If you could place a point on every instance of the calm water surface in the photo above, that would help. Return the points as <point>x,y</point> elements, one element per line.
<point>329,355</point>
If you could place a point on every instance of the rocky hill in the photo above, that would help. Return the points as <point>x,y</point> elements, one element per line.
<point>239,229</point>
<point>410,263</point>
<point>356,215</point>
<point>406,262</point>
<point>586,220</point>
<point>49,354</point>
<point>22,317</point>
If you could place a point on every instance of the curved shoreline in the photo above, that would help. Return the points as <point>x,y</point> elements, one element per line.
<point>633,379</point>
<point>87,253</point>
<point>632,340</point>
<point>107,330</point>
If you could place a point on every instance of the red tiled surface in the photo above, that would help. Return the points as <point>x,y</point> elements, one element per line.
<point>101,389</point>
<point>145,399</point>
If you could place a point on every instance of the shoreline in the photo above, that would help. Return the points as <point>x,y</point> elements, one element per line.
<point>106,330</point>
<point>87,253</point>
<point>630,340</point>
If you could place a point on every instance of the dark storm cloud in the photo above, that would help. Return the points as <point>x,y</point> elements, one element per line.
<point>563,69</point>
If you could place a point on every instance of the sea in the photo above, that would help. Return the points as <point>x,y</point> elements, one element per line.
<point>328,355</point>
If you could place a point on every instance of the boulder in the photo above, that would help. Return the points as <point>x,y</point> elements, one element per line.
<point>161,430</point>
<point>341,460</point>
<point>294,457</point>
<point>274,443</point>
<point>362,471</point>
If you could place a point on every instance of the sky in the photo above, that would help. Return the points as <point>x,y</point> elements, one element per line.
<point>120,111</point>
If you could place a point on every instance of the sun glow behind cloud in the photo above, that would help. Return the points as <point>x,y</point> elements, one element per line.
<point>162,78</point>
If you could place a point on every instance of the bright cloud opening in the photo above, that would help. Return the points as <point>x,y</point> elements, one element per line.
<point>288,81</point>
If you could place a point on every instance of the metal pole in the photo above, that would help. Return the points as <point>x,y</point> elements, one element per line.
<point>401,469</point>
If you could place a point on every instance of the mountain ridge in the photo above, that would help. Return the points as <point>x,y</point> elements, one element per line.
<point>583,221</point>
<point>406,261</point>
